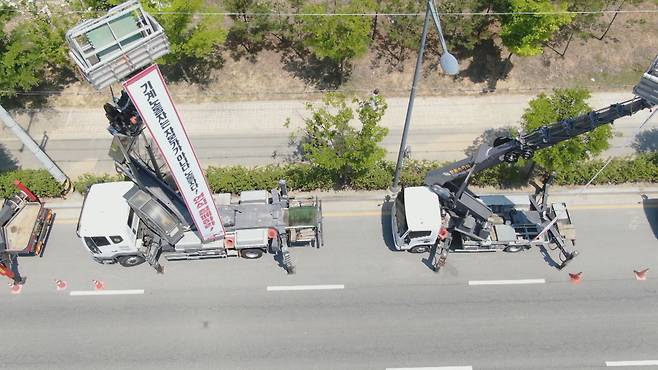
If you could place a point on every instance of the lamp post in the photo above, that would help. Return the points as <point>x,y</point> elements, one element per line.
<point>449,65</point>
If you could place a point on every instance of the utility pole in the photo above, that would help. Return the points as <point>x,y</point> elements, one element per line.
<point>29,143</point>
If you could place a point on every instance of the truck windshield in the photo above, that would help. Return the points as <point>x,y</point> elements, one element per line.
<point>400,215</point>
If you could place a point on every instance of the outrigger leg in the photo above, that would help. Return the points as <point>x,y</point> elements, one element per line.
<point>152,254</point>
<point>439,253</point>
<point>561,245</point>
<point>279,246</point>
<point>549,224</point>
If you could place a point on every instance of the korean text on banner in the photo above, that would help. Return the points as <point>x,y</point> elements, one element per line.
<point>149,93</point>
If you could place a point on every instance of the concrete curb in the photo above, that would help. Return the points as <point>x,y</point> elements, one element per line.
<point>357,196</point>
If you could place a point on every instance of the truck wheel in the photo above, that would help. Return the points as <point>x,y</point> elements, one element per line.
<point>130,261</point>
<point>419,249</point>
<point>514,248</point>
<point>251,254</point>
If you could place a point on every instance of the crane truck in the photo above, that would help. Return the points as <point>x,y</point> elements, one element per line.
<point>446,216</point>
<point>24,229</point>
<point>168,209</point>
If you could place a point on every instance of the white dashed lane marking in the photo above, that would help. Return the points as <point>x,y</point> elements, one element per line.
<point>107,292</point>
<point>305,287</point>
<point>432,368</point>
<point>631,363</point>
<point>507,282</point>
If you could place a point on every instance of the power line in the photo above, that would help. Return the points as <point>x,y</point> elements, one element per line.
<point>307,92</point>
<point>371,14</point>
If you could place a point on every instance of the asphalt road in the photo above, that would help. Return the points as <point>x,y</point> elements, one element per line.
<point>380,309</point>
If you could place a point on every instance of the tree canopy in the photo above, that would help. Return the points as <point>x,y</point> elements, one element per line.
<point>330,141</point>
<point>562,104</point>
<point>32,53</point>
<point>525,34</point>
<point>191,37</point>
<point>250,31</point>
<point>339,38</point>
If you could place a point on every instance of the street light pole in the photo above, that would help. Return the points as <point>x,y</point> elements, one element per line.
<point>449,65</point>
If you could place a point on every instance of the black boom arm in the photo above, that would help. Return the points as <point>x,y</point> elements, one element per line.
<point>454,177</point>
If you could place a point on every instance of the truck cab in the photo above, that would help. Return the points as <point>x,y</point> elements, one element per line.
<point>107,226</point>
<point>415,219</point>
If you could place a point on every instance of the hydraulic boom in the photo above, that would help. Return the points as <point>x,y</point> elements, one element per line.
<point>473,224</point>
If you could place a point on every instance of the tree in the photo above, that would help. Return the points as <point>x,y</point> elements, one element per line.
<point>525,34</point>
<point>464,32</point>
<point>249,31</point>
<point>401,34</point>
<point>194,41</point>
<point>330,142</point>
<point>562,104</point>
<point>33,53</point>
<point>339,38</point>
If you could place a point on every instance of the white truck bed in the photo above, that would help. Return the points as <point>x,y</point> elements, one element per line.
<point>18,230</point>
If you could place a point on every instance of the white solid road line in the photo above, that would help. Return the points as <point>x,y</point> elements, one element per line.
<point>506,282</point>
<point>107,292</point>
<point>432,368</point>
<point>304,287</point>
<point>631,363</point>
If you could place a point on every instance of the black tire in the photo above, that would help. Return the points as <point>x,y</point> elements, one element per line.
<point>251,254</point>
<point>420,249</point>
<point>130,261</point>
<point>514,248</point>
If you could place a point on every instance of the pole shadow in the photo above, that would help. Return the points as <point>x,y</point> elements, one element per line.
<point>650,206</point>
<point>385,219</point>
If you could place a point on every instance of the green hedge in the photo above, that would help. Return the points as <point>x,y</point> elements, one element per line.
<point>82,184</point>
<point>40,182</point>
<point>305,177</point>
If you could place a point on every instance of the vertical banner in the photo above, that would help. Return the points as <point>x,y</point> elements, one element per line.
<point>148,92</point>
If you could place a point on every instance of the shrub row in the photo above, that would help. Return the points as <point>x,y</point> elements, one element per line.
<point>39,181</point>
<point>305,177</point>
<point>82,184</point>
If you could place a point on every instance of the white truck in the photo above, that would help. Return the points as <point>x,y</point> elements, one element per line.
<point>120,223</point>
<point>514,223</point>
<point>444,215</point>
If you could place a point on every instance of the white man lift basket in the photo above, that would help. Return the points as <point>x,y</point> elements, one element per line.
<point>109,48</point>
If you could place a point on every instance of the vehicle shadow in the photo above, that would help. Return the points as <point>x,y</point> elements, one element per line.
<point>387,231</point>
<point>650,207</point>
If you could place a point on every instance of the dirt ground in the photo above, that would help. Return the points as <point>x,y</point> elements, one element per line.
<point>614,63</point>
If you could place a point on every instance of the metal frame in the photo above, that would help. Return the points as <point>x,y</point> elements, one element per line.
<point>117,64</point>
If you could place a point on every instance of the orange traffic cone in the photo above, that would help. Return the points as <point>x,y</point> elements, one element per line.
<point>641,275</point>
<point>60,285</point>
<point>98,285</point>
<point>575,278</point>
<point>15,288</point>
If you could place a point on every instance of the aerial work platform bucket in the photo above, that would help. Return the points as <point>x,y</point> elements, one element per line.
<point>648,86</point>
<point>109,48</point>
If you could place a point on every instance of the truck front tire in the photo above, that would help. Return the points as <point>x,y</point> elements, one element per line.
<point>419,249</point>
<point>130,261</point>
<point>514,248</point>
<point>251,254</point>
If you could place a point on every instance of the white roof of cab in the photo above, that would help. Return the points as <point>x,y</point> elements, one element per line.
<point>422,209</point>
<point>105,211</point>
